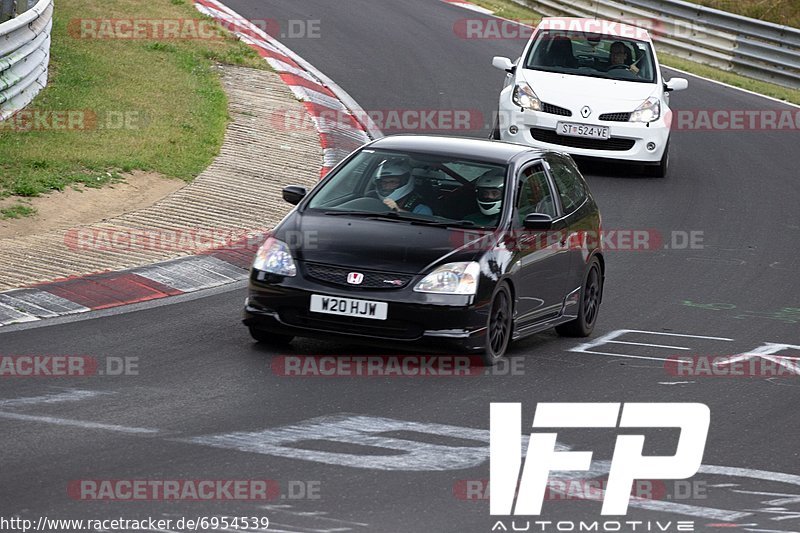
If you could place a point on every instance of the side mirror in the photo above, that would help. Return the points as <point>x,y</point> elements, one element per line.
<point>677,84</point>
<point>293,194</point>
<point>503,63</point>
<point>538,222</point>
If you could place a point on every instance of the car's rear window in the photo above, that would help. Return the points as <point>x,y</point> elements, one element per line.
<point>590,54</point>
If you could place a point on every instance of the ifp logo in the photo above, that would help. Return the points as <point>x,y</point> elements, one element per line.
<point>627,464</point>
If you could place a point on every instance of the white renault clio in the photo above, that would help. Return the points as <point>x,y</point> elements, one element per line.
<point>590,88</point>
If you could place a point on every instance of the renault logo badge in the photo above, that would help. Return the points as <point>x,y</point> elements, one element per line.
<point>586,111</point>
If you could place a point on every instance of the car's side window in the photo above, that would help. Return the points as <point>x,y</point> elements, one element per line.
<point>569,184</point>
<point>534,195</point>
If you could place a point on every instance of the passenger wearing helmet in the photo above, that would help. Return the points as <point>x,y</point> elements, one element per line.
<point>395,188</point>
<point>490,188</point>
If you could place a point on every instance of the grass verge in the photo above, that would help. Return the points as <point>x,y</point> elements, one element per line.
<point>128,104</point>
<point>512,10</point>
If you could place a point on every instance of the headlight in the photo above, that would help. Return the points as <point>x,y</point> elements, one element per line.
<point>649,111</point>
<point>274,257</point>
<point>452,278</point>
<point>524,97</point>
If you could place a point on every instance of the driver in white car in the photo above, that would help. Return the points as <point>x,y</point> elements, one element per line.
<point>621,56</point>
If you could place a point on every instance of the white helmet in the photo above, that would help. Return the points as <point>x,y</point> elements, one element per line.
<point>490,187</point>
<point>394,169</point>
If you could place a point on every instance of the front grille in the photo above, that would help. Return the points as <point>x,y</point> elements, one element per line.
<point>550,136</point>
<point>388,329</point>
<point>616,117</point>
<point>555,110</point>
<point>372,280</point>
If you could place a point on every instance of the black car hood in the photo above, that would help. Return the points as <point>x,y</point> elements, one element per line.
<point>390,246</point>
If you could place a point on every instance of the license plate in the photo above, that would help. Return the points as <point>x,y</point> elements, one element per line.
<point>582,130</point>
<point>334,305</point>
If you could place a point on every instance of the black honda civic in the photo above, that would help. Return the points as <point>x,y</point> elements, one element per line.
<point>454,243</point>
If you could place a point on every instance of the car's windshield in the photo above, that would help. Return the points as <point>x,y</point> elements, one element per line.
<point>423,188</point>
<point>592,54</point>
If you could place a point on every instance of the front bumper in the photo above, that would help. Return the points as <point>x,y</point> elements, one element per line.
<point>437,320</point>
<point>628,140</point>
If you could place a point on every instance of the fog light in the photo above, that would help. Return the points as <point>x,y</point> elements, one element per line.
<point>513,130</point>
<point>651,146</point>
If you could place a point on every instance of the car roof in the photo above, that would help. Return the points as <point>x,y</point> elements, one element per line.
<point>484,150</point>
<point>601,26</point>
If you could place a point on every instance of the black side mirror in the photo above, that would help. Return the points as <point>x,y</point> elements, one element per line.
<point>538,222</point>
<point>293,194</point>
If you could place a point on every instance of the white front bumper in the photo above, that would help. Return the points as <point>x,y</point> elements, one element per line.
<point>641,134</point>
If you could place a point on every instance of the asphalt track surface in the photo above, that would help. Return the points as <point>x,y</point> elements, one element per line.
<point>199,374</point>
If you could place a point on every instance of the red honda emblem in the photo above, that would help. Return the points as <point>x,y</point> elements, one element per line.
<point>355,278</point>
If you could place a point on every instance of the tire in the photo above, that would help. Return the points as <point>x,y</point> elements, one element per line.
<point>591,295</point>
<point>499,327</point>
<point>660,170</point>
<point>265,337</point>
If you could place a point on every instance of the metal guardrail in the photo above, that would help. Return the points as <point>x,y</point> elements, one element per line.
<point>24,55</point>
<point>754,48</point>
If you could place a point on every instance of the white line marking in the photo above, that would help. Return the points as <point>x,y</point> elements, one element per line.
<point>318,515</point>
<point>610,337</point>
<point>362,431</point>
<point>76,423</point>
<point>71,395</point>
<point>651,345</point>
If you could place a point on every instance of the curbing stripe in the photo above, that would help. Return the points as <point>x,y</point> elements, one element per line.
<point>291,79</point>
<point>9,315</point>
<point>113,289</point>
<point>193,273</point>
<point>40,303</point>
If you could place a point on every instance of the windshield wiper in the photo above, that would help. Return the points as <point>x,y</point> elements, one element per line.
<point>406,217</point>
<point>354,213</point>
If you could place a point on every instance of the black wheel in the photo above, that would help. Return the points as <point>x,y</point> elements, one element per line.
<point>591,294</point>
<point>498,327</point>
<point>660,170</point>
<point>266,337</point>
<point>496,128</point>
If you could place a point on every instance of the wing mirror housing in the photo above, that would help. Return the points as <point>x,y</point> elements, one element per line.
<point>538,222</point>
<point>677,84</point>
<point>503,63</point>
<point>294,193</point>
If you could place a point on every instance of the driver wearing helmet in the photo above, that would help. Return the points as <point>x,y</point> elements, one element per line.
<point>490,188</point>
<point>395,188</point>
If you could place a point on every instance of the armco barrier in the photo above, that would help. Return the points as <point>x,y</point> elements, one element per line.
<point>24,56</point>
<point>761,50</point>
